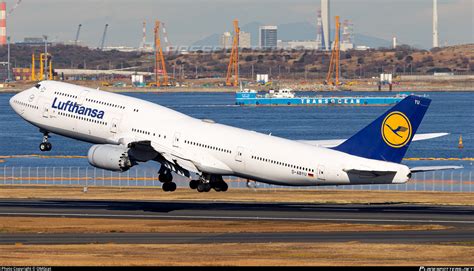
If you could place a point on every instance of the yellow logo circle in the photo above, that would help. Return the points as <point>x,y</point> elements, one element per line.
<point>396,129</point>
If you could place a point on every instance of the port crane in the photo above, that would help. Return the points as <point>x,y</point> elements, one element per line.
<point>41,75</point>
<point>165,37</point>
<point>159,58</point>
<point>77,34</point>
<point>233,67</point>
<point>103,37</point>
<point>14,7</point>
<point>335,58</point>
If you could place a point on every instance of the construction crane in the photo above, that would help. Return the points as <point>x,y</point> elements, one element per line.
<point>165,37</point>
<point>103,37</point>
<point>233,67</point>
<point>77,34</point>
<point>14,7</point>
<point>159,58</point>
<point>335,57</point>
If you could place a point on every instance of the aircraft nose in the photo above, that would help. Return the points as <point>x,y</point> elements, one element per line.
<point>12,103</point>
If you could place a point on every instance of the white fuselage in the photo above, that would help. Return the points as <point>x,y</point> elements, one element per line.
<point>75,111</point>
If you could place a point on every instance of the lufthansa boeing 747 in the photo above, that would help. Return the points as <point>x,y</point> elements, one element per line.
<point>127,131</point>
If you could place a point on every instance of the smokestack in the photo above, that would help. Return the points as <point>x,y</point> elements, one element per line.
<point>325,17</point>
<point>144,35</point>
<point>435,24</point>
<point>394,42</point>
<point>3,23</point>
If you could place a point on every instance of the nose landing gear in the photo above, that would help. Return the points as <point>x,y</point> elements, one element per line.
<point>45,145</point>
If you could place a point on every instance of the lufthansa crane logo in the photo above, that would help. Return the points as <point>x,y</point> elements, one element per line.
<point>396,129</point>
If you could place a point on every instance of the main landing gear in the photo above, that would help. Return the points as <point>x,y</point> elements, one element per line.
<point>45,145</point>
<point>166,178</point>
<point>207,182</point>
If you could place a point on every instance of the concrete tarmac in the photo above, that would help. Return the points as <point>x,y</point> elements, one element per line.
<point>460,218</point>
<point>438,236</point>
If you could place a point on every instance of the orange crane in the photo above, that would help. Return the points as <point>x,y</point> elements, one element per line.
<point>159,58</point>
<point>233,68</point>
<point>335,57</point>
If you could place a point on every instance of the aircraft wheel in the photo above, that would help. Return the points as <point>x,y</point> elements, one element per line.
<point>193,184</point>
<point>204,187</point>
<point>45,146</point>
<point>164,186</point>
<point>165,177</point>
<point>172,186</point>
<point>224,187</point>
<point>220,186</point>
<point>207,187</point>
<point>169,186</point>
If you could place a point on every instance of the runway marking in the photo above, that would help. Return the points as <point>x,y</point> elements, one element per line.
<point>241,218</point>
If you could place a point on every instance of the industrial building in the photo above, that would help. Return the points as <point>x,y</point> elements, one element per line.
<point>268,36</point>
<point>226,40</point>
<point>245,40</point>
<point>299,44</point>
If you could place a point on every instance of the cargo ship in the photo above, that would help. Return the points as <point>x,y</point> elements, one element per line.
<point>286,97</point>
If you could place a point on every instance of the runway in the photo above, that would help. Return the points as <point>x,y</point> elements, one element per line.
<point>460,218</point>
<point>353,213</point>
<point>202,238</point>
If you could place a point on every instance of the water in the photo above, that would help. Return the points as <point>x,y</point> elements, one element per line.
<point>449,112</point>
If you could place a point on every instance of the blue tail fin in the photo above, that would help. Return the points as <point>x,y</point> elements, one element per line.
<point>388,137</point>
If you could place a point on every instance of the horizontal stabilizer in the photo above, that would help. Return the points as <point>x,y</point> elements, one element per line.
<point>433,168</point>
<point>419,137</point>
<point>370,173</point>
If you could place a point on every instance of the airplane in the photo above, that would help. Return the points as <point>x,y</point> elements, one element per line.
<point>127,131</point>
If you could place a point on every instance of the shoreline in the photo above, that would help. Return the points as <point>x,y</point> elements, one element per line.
<point>233,90</point>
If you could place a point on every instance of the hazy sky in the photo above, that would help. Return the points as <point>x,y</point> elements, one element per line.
<point>190,20</point>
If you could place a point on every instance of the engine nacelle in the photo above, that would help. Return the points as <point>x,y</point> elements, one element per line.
<point>110,157</point>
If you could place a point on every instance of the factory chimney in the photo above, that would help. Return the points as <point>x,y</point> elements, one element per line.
<point>435,24</point>
<point>3,23</point>
<point>325,17</point>
<point>143,45</point>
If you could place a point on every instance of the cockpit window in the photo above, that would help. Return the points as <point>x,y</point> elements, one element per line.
<point>37,86</point>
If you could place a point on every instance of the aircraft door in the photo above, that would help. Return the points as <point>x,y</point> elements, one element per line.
<point>83,95</point>
<point>114,126</point>
<point>240,154</point>
<point>46,110</point>
<point>321,172</point>
<point>176,138</point>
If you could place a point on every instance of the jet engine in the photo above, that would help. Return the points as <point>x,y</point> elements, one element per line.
<point>110,157</point>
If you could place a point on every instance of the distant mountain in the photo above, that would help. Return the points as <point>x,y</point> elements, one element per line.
<point>293,31</point>
<point>372,42</point>
<point>212,40</point>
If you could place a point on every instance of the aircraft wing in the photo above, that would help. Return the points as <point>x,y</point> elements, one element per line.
<point>329,143</point>
<point>433,168</point>
<point>176,159</point>
<point>146,150</point>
